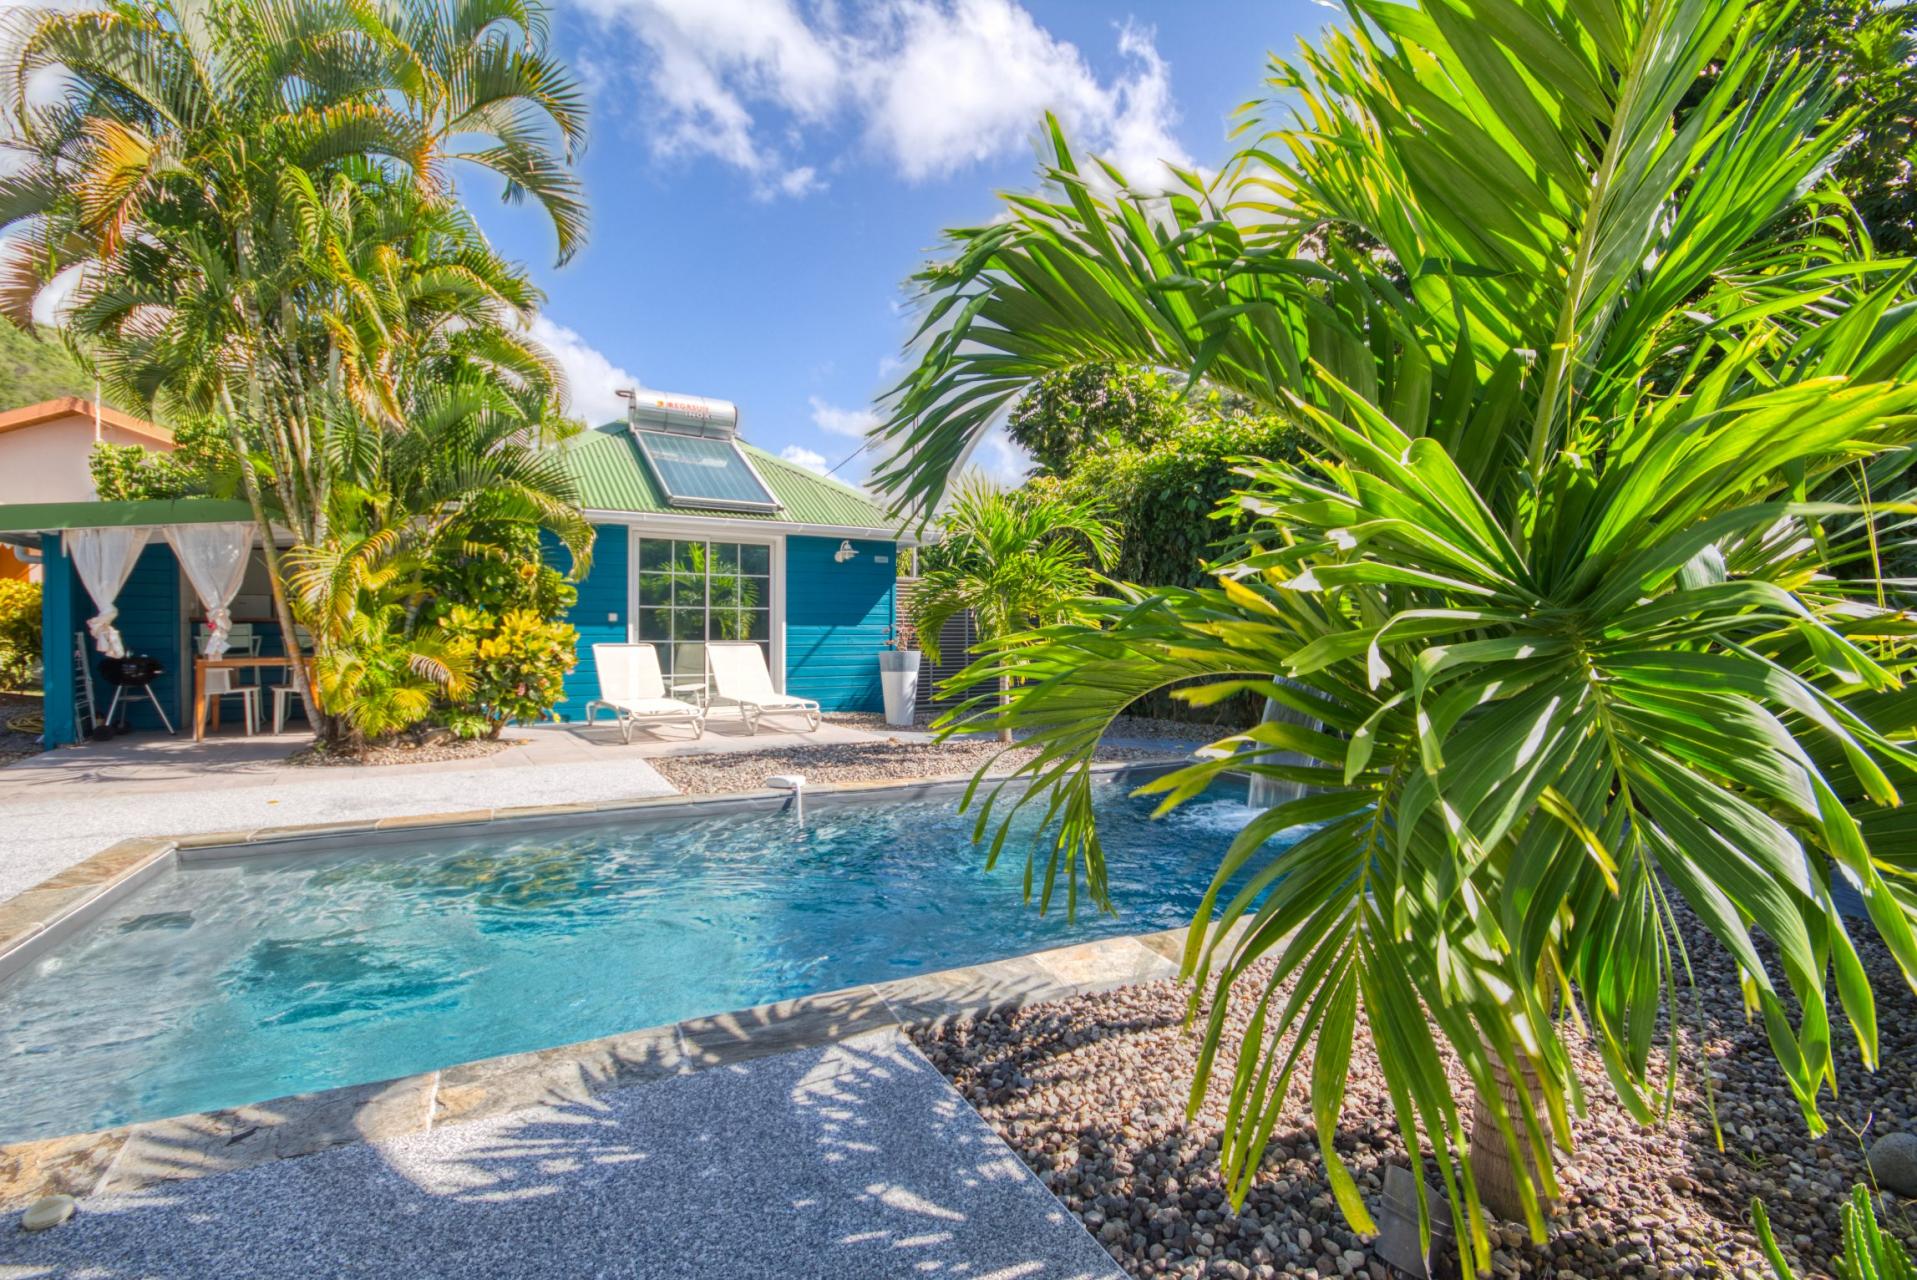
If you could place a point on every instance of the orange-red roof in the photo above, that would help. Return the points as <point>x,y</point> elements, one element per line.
<point>74,406</point>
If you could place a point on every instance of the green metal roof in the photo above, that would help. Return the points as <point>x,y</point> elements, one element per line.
<point>47,517</point>
<point>612,477</point>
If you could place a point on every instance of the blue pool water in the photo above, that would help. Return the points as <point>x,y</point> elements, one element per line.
<point>232,982</point>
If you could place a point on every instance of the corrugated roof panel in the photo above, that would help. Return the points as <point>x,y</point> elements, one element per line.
<point>612,477</point>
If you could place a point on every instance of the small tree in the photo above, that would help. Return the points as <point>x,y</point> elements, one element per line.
<point>1016,559</point>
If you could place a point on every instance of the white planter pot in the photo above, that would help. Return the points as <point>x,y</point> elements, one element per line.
<point>899,678</point>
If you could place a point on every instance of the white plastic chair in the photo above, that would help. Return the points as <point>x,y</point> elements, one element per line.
<point>283,694</point>
<point>220,684</point>
<point>631,686</point>
<point>739,676</point>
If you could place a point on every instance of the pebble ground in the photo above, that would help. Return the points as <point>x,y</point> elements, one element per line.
<point>1091,1093</point>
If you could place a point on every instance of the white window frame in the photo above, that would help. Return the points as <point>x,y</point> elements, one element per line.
<point>704,531</point>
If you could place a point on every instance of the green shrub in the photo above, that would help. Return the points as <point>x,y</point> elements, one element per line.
<point>516,664</point>
<point>381,678</point>
<point>19,631</point>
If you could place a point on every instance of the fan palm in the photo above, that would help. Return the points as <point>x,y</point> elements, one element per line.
<point>1014,560</point>
<point>1575,601</point>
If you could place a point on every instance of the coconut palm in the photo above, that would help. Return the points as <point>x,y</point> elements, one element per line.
<point>1574,602</point>
<point>1015,560</point>
<point>195,175</point>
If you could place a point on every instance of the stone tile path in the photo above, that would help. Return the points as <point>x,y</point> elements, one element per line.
<point>851,1159</point>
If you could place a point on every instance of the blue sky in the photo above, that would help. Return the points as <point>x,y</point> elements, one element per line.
<point>765,174</point>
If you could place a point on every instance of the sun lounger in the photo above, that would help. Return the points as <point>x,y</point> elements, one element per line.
<point>631,686</point>
<point>739,676</point>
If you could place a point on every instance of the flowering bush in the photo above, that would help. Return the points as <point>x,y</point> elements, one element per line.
<point>516,661</point>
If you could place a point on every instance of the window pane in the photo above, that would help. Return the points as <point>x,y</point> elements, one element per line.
<point>688,590</point>
<point>688,624</point>
<point>725,591</point>
<point>754,593</point>
<point>758,625</point>
<point>655,588</point>
<point>655,624</point>
<point>655,553</point>
<point>690,556</point>
<point>755,559</point>
<point>725,556</point>
<point>689,661</point>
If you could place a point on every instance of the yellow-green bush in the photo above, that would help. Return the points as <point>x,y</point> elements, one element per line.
<point>19,631</point>
<point>516,662</point>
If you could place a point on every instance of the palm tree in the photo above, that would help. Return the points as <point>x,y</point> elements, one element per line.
<point>1575,597</point>
<point>462,477</point>
<point>1016,560</point>
<point>196,174</point>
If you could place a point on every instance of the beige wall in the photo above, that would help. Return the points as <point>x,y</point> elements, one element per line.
<point>47,462</point>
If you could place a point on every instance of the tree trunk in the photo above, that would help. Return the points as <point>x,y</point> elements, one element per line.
<point>1498,1177</point>
<point>323,726</point>
<point>1004,701</point>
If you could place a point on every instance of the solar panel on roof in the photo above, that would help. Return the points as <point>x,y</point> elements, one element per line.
<point>703,471</point>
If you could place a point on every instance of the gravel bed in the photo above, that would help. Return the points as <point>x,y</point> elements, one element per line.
<point>1091,1093</point>
<point>402,752</point>
<point>23,743</point>
<point>1129,728</point>
<point>892,760</point>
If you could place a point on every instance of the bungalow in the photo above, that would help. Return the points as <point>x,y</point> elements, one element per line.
<point>701,537</point>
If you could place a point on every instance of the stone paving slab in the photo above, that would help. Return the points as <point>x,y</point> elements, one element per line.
<point>855,1159</point>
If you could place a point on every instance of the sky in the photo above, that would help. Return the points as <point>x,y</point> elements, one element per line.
<point>765,175</point>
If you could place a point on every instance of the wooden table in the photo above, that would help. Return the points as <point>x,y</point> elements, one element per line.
<point>201,666</point>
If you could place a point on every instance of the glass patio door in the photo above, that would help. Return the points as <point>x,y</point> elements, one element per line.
<point>692,592</point>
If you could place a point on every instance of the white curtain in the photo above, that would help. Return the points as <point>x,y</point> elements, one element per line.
<point>214,557</point>
<point>104,559</point>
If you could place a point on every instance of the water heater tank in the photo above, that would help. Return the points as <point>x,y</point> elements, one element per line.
<point>688,415</point>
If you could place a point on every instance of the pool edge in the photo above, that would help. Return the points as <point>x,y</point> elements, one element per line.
<point>129,1157</point>
<point>137,1157</point>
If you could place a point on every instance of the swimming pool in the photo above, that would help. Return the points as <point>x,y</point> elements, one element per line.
<point>219,983</point>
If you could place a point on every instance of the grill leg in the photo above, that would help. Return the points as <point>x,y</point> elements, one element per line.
<point>158,710</point>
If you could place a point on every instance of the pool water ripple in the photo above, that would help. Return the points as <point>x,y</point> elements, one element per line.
<point>225,983</point>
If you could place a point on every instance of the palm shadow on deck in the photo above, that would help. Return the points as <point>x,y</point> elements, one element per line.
<point>855,1159</point>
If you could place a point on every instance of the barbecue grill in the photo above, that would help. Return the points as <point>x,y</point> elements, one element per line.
<point>132,677</point>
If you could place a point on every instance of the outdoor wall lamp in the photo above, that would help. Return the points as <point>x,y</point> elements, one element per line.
<point>844,553</point>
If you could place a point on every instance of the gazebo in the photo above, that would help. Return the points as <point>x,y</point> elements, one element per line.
<point>121,578</point>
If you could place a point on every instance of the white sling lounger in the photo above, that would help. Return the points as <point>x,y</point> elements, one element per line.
<point>739,675</point>
<point>631,686</point>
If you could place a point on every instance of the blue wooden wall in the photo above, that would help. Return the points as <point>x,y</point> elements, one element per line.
<point>836,620</point>
<point>149,622</point>
<point>59,619</point>
<point>600,613</point>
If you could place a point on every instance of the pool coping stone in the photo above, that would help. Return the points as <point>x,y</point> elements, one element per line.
<point>148,1153</point>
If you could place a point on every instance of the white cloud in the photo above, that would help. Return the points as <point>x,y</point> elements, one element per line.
<point>592,378</point>
<point>930,87</point>
<point>1002,459</point>
<point>810,459</point>
<point>836,421</point>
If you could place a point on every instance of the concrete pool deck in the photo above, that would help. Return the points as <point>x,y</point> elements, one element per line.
<point>851,1159</point>
<point>63,806</point>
